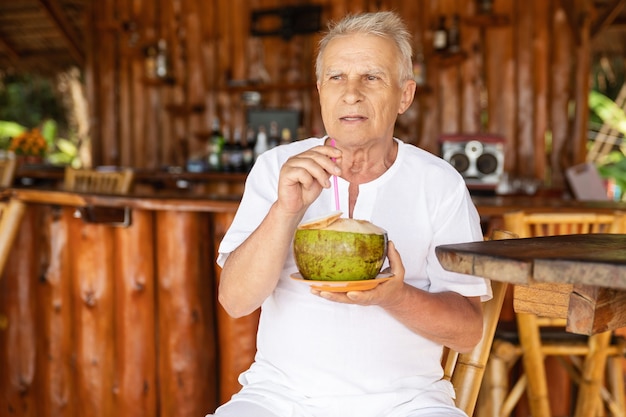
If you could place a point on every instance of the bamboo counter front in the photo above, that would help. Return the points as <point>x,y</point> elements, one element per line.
<point>102,318</point>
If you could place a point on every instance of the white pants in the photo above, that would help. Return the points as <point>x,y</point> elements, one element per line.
<point>273,400</point>
<point>247,409</point>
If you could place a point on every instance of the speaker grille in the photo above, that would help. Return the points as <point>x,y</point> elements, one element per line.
<point>479,158</point>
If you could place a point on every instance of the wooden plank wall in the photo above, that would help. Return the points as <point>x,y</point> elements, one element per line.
<point>518,79</point>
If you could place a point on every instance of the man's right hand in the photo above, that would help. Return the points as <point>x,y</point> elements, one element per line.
<point>303,177</point>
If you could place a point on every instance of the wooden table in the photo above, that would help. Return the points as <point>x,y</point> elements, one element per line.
<point>594,263</point>
<point>596,266</point>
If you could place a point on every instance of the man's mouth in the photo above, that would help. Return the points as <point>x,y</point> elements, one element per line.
<point>352,118</point>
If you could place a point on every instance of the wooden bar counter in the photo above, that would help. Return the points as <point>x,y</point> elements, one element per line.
<point>98,319</point>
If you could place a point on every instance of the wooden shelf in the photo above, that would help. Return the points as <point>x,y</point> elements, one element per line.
<point>448,59</point>
<point>267,87</point>
<point>487,20</point>
<point>158,82</point>
<point>185,109</point>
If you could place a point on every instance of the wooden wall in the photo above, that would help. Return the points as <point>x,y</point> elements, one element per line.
<point>523,75</point>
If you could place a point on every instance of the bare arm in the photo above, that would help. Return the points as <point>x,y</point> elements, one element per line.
<point>251,271</point>
<point>447,318</point>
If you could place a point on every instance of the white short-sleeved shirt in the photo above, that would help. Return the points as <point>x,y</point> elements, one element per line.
<point>321,348</point>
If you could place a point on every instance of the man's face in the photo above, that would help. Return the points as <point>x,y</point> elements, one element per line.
<point>360,92</point>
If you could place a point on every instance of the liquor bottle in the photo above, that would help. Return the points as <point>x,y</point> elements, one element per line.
<point>261,142</point>
<point>419,68</point>
<point>235,162</point>
<point>454,35</point>
<point>248,149</point>
<point>162,60</point>
<point>150,61</point>
<point>227,150</point>
<point>285,136</point>
<point>216,145</point>
<point>440,37</point>
<point>273,139</point>
<point>484,6</point>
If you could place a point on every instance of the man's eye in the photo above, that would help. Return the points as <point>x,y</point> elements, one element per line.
<point>372,78</point>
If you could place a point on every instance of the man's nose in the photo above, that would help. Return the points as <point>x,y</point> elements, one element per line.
<point>353,92</point>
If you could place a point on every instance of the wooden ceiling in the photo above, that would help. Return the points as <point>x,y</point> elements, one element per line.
<point>608,32</point>
<point>42,36</point>
<point>48,36</point>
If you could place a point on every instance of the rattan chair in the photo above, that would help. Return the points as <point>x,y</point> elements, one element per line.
<point>466,371</point>
<point>8,166</point>
<point>11,211</point>
<point>99,181</point>
<point>119,181</point>
<point>539,336</point>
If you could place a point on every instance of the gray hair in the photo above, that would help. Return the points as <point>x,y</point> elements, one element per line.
<point>385,24</point>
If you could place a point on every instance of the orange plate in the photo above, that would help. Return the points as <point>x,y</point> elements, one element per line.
<point>344,286</point>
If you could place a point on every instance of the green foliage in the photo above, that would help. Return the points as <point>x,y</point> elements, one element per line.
<point>9,130</point>
<point>608,111</point>
<point>65,153</point>
<point>613,166</point>
<point>29,99</point>
<point>61,151</point>
<point>615,169</point>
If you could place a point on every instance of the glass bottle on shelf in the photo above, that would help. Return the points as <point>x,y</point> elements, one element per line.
<point>248,149</point>
<point>273,139</point>
<point>227,150</point>
<point>440,37</point>
<point>235,162</point>
<point>150,58</point>
<point>216,146</point>
<point>261,142</point>
<point>419,68</point>
<point>285,136</point>
<point>484,6</point>
<point>161,59</point>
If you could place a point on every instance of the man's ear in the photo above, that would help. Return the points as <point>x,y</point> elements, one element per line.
<point>408,94</point>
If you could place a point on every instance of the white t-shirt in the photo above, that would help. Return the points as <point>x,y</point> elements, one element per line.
<point>320,348</point>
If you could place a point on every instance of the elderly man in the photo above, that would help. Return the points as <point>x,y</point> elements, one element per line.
<point>358,353</point>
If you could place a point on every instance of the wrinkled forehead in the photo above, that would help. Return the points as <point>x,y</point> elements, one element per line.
<point>363,51</point>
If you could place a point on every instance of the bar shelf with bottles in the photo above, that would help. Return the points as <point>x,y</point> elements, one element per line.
<point>236,151</point>
<point>447,41</point>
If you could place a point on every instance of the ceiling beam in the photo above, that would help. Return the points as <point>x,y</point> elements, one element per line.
<point>610,13</point>
<point>10,51</point>
<point>64,25</point>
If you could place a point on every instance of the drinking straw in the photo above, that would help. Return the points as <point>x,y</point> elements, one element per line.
<point>332,143</point>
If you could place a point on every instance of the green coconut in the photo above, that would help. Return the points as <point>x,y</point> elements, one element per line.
<point>344,250</point>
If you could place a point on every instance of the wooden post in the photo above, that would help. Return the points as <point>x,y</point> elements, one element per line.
<point>186,333</point>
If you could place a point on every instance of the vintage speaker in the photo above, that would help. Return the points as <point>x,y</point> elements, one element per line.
<point>479,158</point>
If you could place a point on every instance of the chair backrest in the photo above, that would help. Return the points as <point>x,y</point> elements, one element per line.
<point>11,213</point>
<point>466,370</point>
<point>8,165</point>
<point>549,224</point>
<point>95,181</point>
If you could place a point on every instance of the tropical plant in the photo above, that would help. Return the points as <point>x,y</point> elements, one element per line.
<point>40,141</point>
<point>613,165</point>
